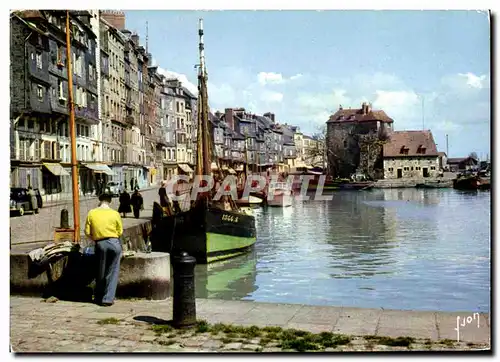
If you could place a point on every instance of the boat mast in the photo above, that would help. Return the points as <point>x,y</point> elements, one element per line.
<point>204,106</point>
<point>72,134</point>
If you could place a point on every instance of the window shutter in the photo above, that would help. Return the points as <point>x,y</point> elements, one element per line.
<point>36,145</point>
<point>46,151</point>
<point>54,147</point>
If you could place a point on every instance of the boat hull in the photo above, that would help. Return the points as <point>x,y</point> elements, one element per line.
<point>435,185</point>
<point>208,234</point>
<point>356,185</point>
<point>280,199</point>
<point>250,201</point>
<point>466,183</point>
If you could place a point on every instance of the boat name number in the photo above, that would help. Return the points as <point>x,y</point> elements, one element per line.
<point>230,218</point>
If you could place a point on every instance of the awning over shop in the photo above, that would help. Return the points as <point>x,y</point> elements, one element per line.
<point>214,167</point>
<point>56,169</point>
<point>184,167</point>
<point>239,168</point>
<point>100,168</point>
<point>231,171</point>
<point>224,168</point>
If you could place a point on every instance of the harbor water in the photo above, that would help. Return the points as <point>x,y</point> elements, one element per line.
<point>413,249</point>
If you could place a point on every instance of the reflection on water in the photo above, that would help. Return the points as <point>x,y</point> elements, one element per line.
<point>421,249</point>
<point>228,279</point>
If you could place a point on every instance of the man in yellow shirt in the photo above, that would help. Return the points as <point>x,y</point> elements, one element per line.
<point>104,227</point>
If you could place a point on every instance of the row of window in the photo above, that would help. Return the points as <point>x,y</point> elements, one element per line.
<point>35,149</point>
<point>408,168</point>
<point>49,127</point>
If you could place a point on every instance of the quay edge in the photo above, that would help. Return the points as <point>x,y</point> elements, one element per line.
<point>142,275</point>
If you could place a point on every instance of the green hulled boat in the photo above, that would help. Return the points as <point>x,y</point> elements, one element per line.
<point>209,230</point>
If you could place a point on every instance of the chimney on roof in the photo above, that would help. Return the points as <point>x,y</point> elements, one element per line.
<point>364,108</point>
<point>115,18</point>
<point>340,107</point>
<point>135,39</point>
<point>229,117</point>
<point>269,115</point>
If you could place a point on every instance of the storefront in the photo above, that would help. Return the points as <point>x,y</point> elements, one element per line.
<point>26,176</point>
<point>185,169</point>
<point>97,178</point>
<point>53,175</point>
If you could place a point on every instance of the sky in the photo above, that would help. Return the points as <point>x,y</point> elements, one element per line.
<point>425,69</point>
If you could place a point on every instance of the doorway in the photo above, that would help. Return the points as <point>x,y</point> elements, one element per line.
<point>425,172</point>
<point>400,173</point>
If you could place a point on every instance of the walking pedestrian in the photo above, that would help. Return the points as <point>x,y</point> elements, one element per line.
<point>124,206</point>
<point>33,200</point>
<point>137,203</point>
<point>163,195</point>
<point>104,227</point>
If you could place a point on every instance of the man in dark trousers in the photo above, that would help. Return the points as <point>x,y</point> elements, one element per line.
<point>137,203</point>
<point>104,226</point>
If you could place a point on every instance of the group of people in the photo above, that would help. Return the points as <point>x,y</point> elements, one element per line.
<point>128,203</point>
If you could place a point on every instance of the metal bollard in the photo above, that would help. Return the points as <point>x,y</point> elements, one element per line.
<point>64,219</point>
<point>184,311</point>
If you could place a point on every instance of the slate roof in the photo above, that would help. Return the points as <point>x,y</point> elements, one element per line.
<point>356,115</point>
<point>411,140</point>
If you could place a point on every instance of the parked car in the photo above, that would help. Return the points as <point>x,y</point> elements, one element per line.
<point>20,200</point>
<point>113,187</point>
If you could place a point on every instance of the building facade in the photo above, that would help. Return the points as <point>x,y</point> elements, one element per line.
<point>410,154</point>
<point>113,98</point>
<point>354,140</point>
<point>40,146</point>
<point>170,128</point>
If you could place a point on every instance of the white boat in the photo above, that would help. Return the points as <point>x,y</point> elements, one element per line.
<point>279,194</point>
<point>250,200</point>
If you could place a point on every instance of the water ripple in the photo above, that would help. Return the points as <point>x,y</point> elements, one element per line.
<point>401,248</point>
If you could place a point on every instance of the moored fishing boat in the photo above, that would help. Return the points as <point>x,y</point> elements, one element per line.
<point>250,201</point>
<point>360,185</point>
<point>210,229</point>
<point>467,182</point>
<point>435,184</point>
<point>279,194</point>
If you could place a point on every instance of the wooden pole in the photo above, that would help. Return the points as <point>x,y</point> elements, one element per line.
<point>72,133</point>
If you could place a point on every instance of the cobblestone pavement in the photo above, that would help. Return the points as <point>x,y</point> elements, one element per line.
<point>40,227</point>
<point>39,326</point>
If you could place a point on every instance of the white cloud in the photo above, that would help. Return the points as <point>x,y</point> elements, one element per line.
<point>265,78</point>
<point>474,81</point>
<point>296,76</point>
<point>402,106</point>
<point>181,77</point>
<point>466,82</point>
<point>269,78</point>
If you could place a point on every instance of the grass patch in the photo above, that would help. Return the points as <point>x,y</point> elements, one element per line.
<point>447,342</point>
<point>167,343</point>
<point>264,341</point>
<point>159,329</point>
<point>393,342</point>
<point>272,329</point>
<point>288,339</point>
<point>109,321</point>
<point>202,327</point>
